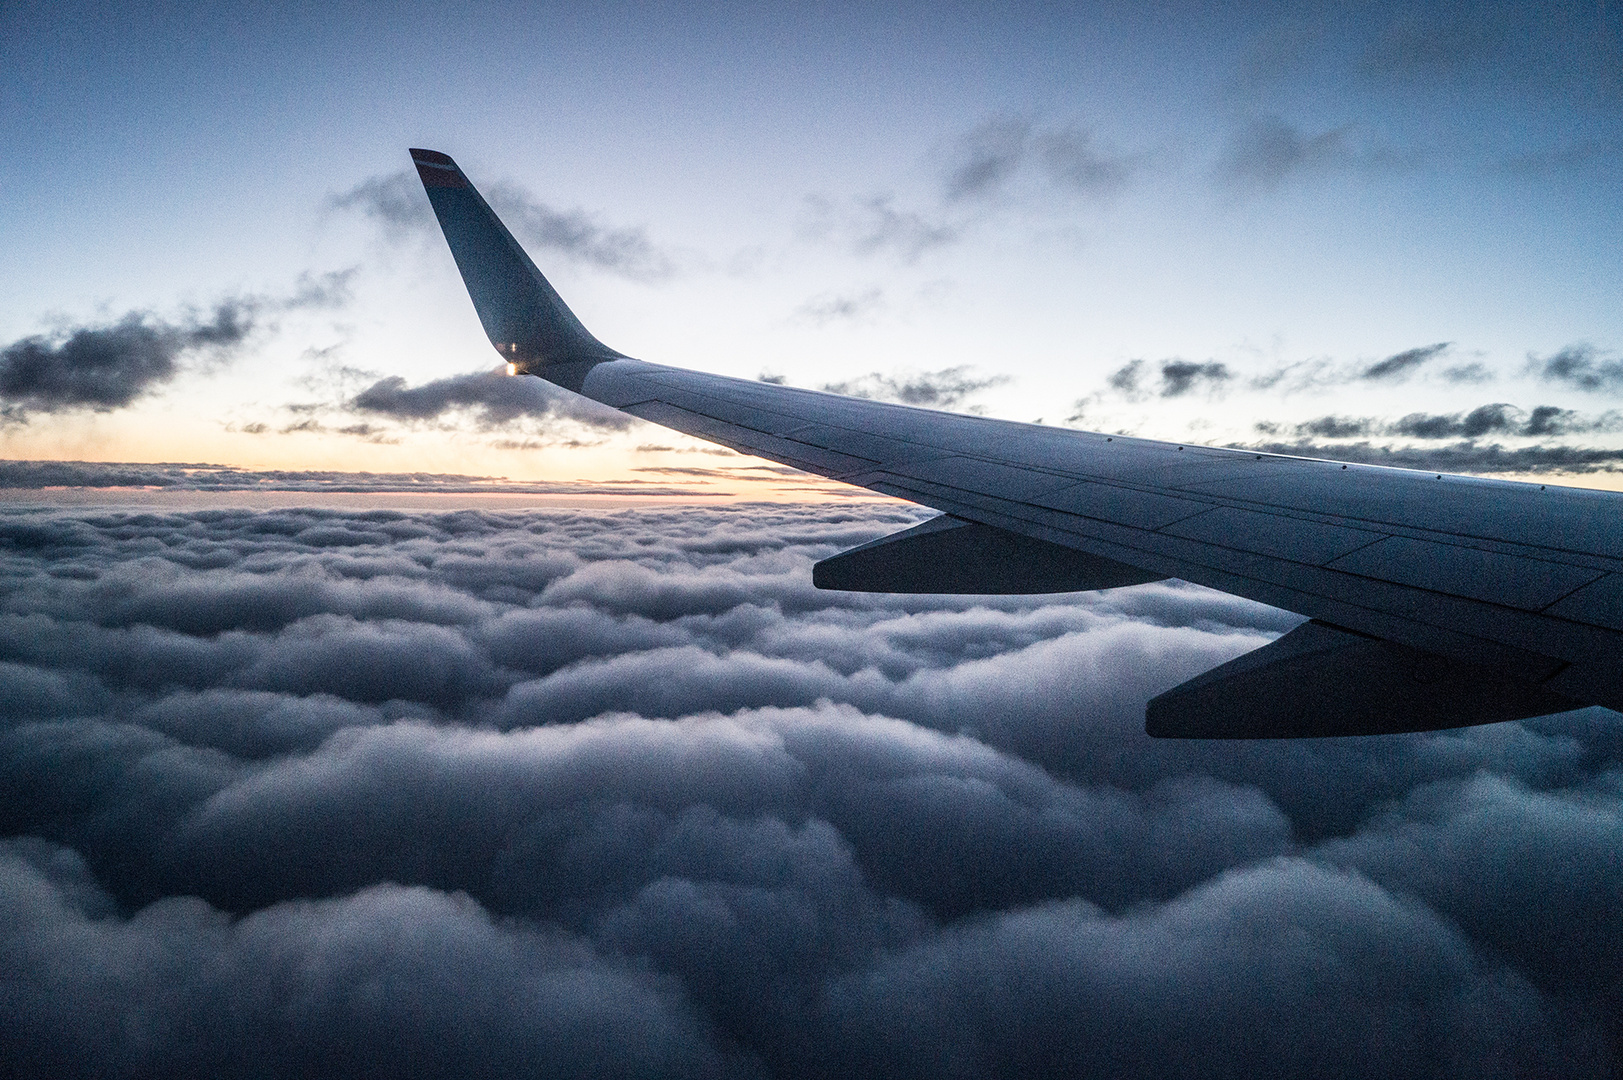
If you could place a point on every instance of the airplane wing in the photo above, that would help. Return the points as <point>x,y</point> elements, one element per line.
<point>1434,600</point>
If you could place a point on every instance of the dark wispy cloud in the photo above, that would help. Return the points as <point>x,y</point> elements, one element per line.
<point>109,366</point>
<point>948,388</point>
<point>493,398</point>
<point>1401,365</point>
<point>841,306</point>
<point>1171,378</point>
<point>100,367</point>
<point>396,203</point>
<point>370,792</point>
<point>1497,418</point>
<point>1179,377</point>
<point>1474,373</point>
<point>1266,151</point>
<point>1466,456</point>
<point>1581,366</point>
<point>876,225</point>
<point>997,153</point>
<point>1321,373</point>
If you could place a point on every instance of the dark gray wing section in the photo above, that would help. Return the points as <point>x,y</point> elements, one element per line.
<point>1457,575</point>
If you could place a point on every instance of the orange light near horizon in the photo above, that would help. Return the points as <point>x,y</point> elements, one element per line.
<point>512,369</point>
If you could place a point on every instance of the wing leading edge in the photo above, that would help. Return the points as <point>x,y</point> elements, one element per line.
<point>1436,600</point>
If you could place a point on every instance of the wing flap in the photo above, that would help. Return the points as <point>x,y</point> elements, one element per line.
<point>951,555</point>
<point>1320,680</point>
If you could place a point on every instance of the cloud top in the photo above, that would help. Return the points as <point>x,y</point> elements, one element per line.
<point>368,792</point>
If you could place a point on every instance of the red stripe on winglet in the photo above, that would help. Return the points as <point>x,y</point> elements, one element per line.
<point>437,169</point>
<point>439,176</point>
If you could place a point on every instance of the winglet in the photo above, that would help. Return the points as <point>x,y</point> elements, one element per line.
<point>524,317</point>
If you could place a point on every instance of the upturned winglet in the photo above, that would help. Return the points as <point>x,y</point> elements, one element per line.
<point>525,319</point>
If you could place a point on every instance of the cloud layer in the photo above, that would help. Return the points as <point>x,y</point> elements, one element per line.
<point>206,478</point>
<point>380,793</point>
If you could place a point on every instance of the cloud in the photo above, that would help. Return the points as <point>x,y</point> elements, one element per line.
<point>326,291</point>
<point>204,478</point>
<point>996,153</point>
<point>495,399</point>
<point>987,158</point>
<point>579,236</point>
<point>1268,150</point>
<point>394,201</point>
<point>1321,373</point>
<point>1580,366</point>
<point>1472,373</point>
<point>367,791</point>
<point>944,389</point>
<point>1329,427</point>
<point>841,307</point>
<point>1401,365</point>
<point>1465,457</point>
<point>875,225</point>
<point>397,204</point>
<point>1177,378</point>
<point>106,367</point>
<point>1482,420</point>
<point>1498,418</point>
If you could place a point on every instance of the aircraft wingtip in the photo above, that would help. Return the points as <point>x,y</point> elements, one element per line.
<point>437,169</point>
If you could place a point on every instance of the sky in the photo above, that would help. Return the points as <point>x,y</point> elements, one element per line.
<point>1366,231</point>
<point>367,712</point>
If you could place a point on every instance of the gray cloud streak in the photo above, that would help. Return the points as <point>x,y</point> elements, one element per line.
<point>944,389</point>
<point>397,204</point>
<point>1581,366</point>
<point>495,399</point>
<point>101,368</point>
<point>996,153</point>
<point>841,307</point>
<point>1497,418</point>
<point>1401,365</point>
<point>1267,151</point>
<point>876,225</point>
<point>1177,378</point>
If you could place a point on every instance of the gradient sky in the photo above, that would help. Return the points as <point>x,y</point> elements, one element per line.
<point>1039,195</point>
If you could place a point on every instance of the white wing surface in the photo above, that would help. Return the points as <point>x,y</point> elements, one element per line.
<point>1436,600</point>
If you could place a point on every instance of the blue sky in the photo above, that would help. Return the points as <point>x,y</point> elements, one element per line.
<point>1040,196</point>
